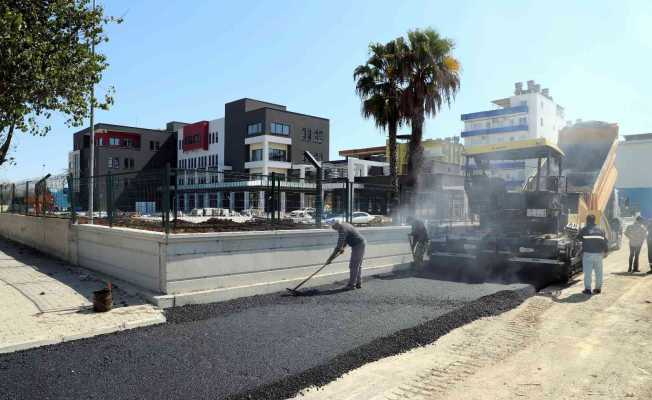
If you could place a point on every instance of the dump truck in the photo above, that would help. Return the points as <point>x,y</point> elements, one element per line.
<point>529,234</point>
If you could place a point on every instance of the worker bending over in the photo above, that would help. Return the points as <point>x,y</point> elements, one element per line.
<point>595,247</point>
<point>348,235</point>
<point>418,240</point>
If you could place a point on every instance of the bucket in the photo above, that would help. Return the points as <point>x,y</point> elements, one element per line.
<point>102,300</point>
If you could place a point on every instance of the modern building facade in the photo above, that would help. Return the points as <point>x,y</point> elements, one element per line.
<point>530,113</point>
<point>119,149</point>
<point>263,137</point>
<point>634,182</point>
<point>254,141</point>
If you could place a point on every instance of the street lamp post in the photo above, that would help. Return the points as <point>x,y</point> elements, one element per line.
<point>92,160</point>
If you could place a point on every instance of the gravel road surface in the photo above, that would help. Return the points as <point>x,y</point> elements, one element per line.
<point>259,347</point>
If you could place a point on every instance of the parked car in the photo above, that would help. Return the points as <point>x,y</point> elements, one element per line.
<point>357,218</point>
<point>362,218</point>
<point>333,219</point>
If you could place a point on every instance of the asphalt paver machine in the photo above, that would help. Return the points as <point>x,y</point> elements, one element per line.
<point>523,233</point>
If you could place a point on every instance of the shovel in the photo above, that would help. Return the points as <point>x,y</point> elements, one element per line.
<point>295,291</point>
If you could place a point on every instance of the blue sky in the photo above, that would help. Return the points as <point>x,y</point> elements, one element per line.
<point>182,60</point>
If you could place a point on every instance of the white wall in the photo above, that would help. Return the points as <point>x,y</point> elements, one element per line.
<point>633,164</point>
<point>198,268</point>
<point>49,235</point>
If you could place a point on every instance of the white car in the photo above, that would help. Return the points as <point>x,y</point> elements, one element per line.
<point>362,218</point>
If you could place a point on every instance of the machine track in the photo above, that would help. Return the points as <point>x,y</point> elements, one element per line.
<point>483,344</point>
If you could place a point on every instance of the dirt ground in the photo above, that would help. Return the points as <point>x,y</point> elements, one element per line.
<point>559,344</point>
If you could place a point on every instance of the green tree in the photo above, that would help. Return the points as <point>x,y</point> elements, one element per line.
<point>379,84</point>
<point>432,76</point>
<point>47,64</point>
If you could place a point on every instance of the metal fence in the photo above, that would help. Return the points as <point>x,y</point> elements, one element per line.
<point>187,200</point>
<point>48,195</point>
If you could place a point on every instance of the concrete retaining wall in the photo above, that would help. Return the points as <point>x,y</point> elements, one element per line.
<point>49,235</point>
<point>198,268</point>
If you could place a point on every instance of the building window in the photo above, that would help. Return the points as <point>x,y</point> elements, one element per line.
<point>253,129</point>
<point>151,145</point>
<point>280,129</point>
<point>114,141</point>
<point>109,163</point>
<point>277,155</point>
<point>257,155</point>
<point>522,121</point>
<point>312,136</point>
<point>126,163</point>
<point>541,121</point>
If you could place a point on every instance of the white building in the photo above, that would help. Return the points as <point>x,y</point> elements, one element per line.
<point>634,183</point>
<point>529,114</point>
<point>200,148</point>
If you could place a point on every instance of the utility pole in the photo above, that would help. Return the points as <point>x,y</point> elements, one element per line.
<point>91,184</point>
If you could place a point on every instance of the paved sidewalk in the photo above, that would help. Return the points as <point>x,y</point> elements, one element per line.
<point>45,301</point>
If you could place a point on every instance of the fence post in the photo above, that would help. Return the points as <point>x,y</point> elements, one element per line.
<point>71,197</point>
<point>109,198</point>
<point>165,203</point>
<point>44,189</point>
<point>272,200</point>
<point>26,197</point>
<point>175,198</point>
<point>319,206</point>
<point>13,196</point>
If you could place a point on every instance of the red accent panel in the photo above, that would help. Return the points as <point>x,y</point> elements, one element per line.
<point>190,132</point>
<point>105,136</point>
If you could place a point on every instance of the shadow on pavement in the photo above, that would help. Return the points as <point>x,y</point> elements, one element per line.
<point>638,274</point>
<point>573,298</point>
<point>58,273</point>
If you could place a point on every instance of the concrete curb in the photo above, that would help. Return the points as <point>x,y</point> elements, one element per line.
<point>101,330</point>
<point>230,293</point>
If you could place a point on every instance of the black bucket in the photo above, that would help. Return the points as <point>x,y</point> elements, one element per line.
<point>102,300</point>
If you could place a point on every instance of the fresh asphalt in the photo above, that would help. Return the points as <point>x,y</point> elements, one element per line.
<point>258,347</point>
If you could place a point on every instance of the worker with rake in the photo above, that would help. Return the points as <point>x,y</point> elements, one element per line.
<point>348,235</point>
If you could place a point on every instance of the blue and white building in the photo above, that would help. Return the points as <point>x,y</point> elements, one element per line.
<point>530,113</point>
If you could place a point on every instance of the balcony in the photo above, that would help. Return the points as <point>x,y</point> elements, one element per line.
<point>495,113</point>
<point>268,164</point>
<point>500,129</point>
<point>269,138</point>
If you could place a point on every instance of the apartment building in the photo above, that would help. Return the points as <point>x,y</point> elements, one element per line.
<point>530,113</point>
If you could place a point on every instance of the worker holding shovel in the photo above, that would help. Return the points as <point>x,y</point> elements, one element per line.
<point>348,235</point>
<point>418,241</point>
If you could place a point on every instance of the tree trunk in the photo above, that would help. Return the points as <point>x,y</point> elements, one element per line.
<point>393,167</point>
<point>415,162</point>
<point>4,149</point>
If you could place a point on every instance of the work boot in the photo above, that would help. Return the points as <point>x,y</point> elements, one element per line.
<point>358,286</point>
<point>597,291</point>
<point>587,291</point>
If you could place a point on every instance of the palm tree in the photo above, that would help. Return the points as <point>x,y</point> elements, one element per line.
<point>432,76</point>
<point>379,83</point>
